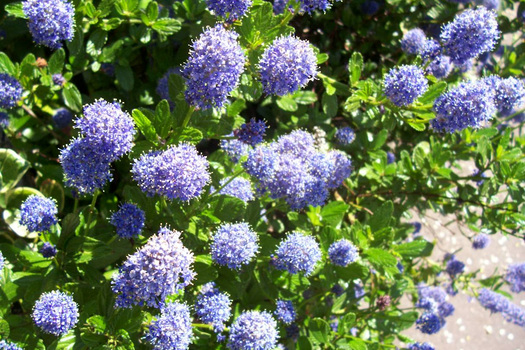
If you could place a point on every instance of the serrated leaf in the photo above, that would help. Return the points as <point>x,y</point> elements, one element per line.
<point>6,66</point>
<point>414,249</point>
<point>382,215</point>
<point>12,168</point>
<point>287,104</point>
<point>166,26</point>
<point>72,97</point>
<point>433,92</point>
<point>145,126</point>
<point>56,62</point>
<point>320,330</point>
<point>16,10</point>
<point>333,213</point>
<point>355,67</point>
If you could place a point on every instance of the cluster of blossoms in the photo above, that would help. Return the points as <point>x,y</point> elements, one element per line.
<point>297,253</point>
<point>128,220</point>
<point>509,94</point>
<point>310,6</point>
<point>253,330</point>
<point>162,267</point>
<point>496,302</point>
<point>5,345</point>
<point>294,169</point>
<point>48,250</point>
<point>345,136</point>
<point>172,329</point>
<point>238,187</point>
<point>163,89</point>
<point>178,172</point>
<point>214,67</point>
<point>515,276</point>
<point>287,65</point>
<point>62,117</point>
<point>433,301</point>
<point>285,311</point>
<point>38,213</point>
<point>234,245</point>
<point>454,266</point>
<point>404,84</point>
<point>235,149</point>
<point>251,133</point>
<point>420,346</point>
<point>10,91</point>
<point>58,79</point>
<point>413,41</point>
<point>342,252</point>
<point>213,307</point>
<point>470,104</point>
<point>481,241</point>
<point>231,10</point>
<point>2,261</point>
<point>55,313</point>
<point>106,135</point>
<point>50,21</point>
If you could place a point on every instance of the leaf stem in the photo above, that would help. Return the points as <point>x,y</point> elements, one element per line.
<point>92,208</point>
<point>188,116</point>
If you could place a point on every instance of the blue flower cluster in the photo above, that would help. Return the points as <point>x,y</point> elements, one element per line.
<point>10,91</point>
<point>440,67</point>
<point>4,120</point>
<point>128,220</point>
<point>292,168</point>
<point>509,94</point>
<point>279,6</point>
<point>178,172</point>
<point>433,300</point>
<point>238,187</point>
<point>420,346</point>
<point>58,79</point>
<point>285,311</point>
<point>5,345</point>
<point>515,276</point>
<point>413,41</point>
<point>162,267</point>
<point>234,245</point>
<point>287,65</point>
<point>345,135</point>
<point>214,67</point>
<point>297,253</point>
<point>106,135</point>
<point>251,133</point>
<point>172,329</point>
<point>50,21</point>
<point>310,6</point>
<point>231,10</point>
<point>454,266</point>
<point>390,157</point>
<point>496,302</point>
<point>342,252</point>
<point>481,241</point>
<point>235,149</point>
<point>431,50</point>
<point>55,312</point>
<point>38,213</point>
<point>470,104</point>
<point>62,117</point>
<point>404,84</point>
<point>2,261</point>
<point>472,33</point>
<point>213,307</point>
<point>253,330</point>
<point>163,86</point>
<point>48,250</point>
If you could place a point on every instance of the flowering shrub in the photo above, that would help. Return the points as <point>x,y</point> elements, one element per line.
<point>242,174</point>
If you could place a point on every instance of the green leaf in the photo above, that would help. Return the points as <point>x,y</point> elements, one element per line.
<point>72,97</point>
<point>287,104</point>
<point>236,107</point>
<point>320,330</point>
<point>152,12</point>
<point>414,249</point>
<point>145,126</point>
<point>124,76</point>
<point>420,154</point>
<point>433,92</point>
<point>330,105</point>
<point>4,329</point>
<point>357,344</point>
<point>16,10</point>
<point>379,140</point>
<point>163,119</point>
<point>226,208</point>
<point>417,126</point>
<point>105,7</point>
<point>52,188</point>
<point>322,58</point>
<point>6,66</point>
<point>96,42</point>
<point>166,26</point>
<point>56,62</point>
<point>355,67</point>
<point>98,322</point>
<point>176,87</point>
<point>333,213</point>
<point>381,217</point>
<point>12,168</point>
<point>380,258</point>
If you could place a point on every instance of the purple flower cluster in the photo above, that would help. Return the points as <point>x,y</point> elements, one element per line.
<point>345,136</point>
<point>481,241</point>
<point>172,329</point>
<point>50,21</point>
<point>420,346</point>
<point>38,213</point>
<point>440,67</point>
<point>285,311</point>
<point>287,65</point>
<point>292,168</point>
<point>297,253</point>
<point>342,252</point>
<point>178,172</point>
<point>413,41</point>
<point>238,187</point>
<point>433,300</point>
<point>404,84</point>
<point>231,10</point>
<point>431,50</point>
<point>62,117</point>
<point>469,104</point>
<point>48,250</point>
<point>163,86</point>
<point>2,261</point>
<point>515,276</point>
<point>58,79</point>
<point>509,94</point>
<point>5,345</point>
<point>214,67</point>
<point>234,245</point>
<point>472,33</point>
<point>128,220</point>
<point>213,307</point>
<point>454,266</point>
<point>310,6</point>
<point>251,133</point>
<point>4,120</point>
<point>235,149</point>
<point>10,91</point>
<point>55,313</point>
<point>253,330</point>
<point>496,302</point>
<point>162,267</point>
